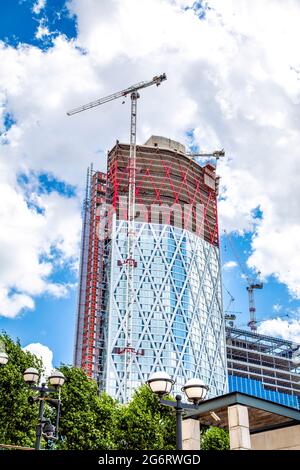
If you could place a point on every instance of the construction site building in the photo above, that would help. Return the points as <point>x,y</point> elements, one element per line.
<point>178,322</point>
<point>263,366</point>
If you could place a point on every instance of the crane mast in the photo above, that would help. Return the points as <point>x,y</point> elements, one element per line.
<point>130,263</point>
<point>252,309</point>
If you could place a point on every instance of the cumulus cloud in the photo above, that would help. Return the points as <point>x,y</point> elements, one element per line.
<point>289,330</point>
<point>13,303</point>
<point>230,265</point>
<point>38,6</point>
<point>43,353</point>
<point>27,240</point>
<point>233,80</point>
<point>42,30</point>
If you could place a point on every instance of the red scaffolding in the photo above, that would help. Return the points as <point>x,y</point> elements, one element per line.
<point>164,178</point>
<point>91,308</point>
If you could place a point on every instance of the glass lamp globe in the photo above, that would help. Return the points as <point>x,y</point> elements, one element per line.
<point>160,383</point>
<point>57,378</point>
<point>31,376</point>
<point>3,358</point>
<point>195,390</point>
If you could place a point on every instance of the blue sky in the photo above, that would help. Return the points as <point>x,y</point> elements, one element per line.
<point>50,167</point>
<point>273,293</point>
<point>52,321</point>
<point>18,23</point>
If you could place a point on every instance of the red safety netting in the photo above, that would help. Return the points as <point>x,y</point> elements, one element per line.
<point>163,180</point>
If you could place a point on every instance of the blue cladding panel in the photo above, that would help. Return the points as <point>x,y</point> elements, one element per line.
<point>256,388</point>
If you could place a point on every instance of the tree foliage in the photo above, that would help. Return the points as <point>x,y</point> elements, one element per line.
<point>87,419</point>
<point>144,424</point>
<point>17,418</point>
<point>215,439</point>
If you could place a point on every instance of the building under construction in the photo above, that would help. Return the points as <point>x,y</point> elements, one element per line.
<point>263,366</point>
<point>177,322</point>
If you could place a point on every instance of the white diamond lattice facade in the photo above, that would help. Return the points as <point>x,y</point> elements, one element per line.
<point>178,323</point>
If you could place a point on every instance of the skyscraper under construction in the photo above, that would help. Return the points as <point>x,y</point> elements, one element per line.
<point>176,323</point>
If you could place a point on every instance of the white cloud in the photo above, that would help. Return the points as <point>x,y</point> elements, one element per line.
<point>42,30</point>
<point>289,330</point>
<point>43,353</point>
<point>27,241</point>
<point>277,308</point>
<point>38,6</point>
<point>276,250</point>
<point>231,77</point>
<point>230,265</point>
<point>12,304</point>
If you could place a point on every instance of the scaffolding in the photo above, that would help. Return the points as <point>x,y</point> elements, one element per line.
<point>77,360</point>
<point>90,310</point>
<point>166,179</point>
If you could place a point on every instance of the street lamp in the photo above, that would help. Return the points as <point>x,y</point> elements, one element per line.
<point>195,390</point>
<point>160,383</point>
<point>56,380</point>
<point>31,376</point>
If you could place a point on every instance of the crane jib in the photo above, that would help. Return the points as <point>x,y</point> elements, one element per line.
<point>156,80</point>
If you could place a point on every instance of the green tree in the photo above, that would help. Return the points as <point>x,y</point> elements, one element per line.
<point>87,421</point>
<point>144,424</point>
<point>215,439</point>
<point>17,418</point>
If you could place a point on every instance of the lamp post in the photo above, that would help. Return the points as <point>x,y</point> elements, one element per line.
<point>56,380</point>
<point>195,390</point>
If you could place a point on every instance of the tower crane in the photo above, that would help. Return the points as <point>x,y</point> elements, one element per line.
<point>252,285</point>
<point>129,262</point>
<point>216,154</point>
<point>252,309</point>
<point>230,315</point>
